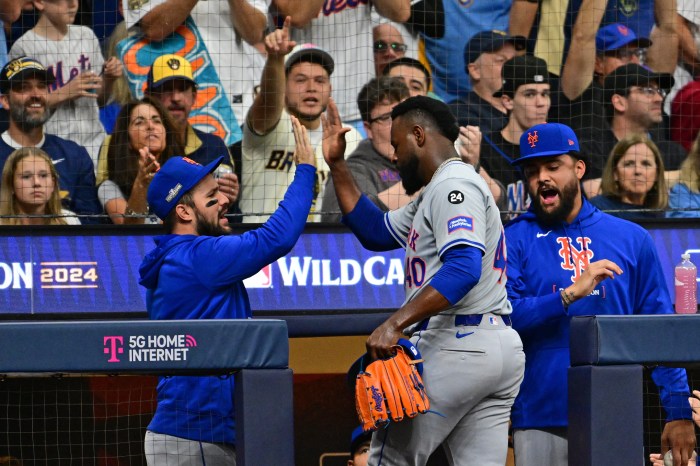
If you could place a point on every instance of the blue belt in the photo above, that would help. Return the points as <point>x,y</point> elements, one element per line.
<point>468,320</point>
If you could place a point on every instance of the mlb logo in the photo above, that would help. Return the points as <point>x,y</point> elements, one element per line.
<point>493,321</point>
<point>262,279</point>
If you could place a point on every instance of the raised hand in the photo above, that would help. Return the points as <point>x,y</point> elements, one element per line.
<point>333,143</point>
<point>229,186</point>
<point>277,43</point>
<point>148,166</point>
<point>304,152</point>
<point>595,273</point>
<point>468,144</point>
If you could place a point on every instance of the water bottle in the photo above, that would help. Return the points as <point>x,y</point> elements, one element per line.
<point>686,286</point>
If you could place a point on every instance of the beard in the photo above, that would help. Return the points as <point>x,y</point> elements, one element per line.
<point>24,120</point>
<point>207,228</point>
<point>293,110</point>
<point>567,198</point>
<point>410,179</point>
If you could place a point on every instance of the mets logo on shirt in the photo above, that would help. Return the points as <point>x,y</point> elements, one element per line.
<point>575,259</point>
<point>460,223</point>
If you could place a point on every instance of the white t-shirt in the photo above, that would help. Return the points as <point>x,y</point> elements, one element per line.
<point>79,51</point>
<point>237,63</point>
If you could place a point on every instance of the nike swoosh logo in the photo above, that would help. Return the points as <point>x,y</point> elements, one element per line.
<point>542,235</point>
<point>462,335</point>
<point>58,160</point>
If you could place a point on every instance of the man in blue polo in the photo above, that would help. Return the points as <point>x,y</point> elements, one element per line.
<point>563,262</point>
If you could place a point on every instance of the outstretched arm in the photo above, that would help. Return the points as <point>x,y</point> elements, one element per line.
<point>334,153</point>
<point>577,73</point>
<point>269,103</point>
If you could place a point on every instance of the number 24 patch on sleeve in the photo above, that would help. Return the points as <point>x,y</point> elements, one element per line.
<point>455,197</point>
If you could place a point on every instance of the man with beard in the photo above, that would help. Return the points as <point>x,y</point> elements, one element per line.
<point>456,309</point>
<point>295,81</point>
<point>552,276</point>
<point>171,81</point>
<point>196,271</point>
<point>23,93</point>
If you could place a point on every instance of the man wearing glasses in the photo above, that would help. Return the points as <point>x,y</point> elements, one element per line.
<point>388,45</point>
<point>634,96</point>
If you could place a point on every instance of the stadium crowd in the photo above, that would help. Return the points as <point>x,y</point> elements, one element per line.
<point>501,66</point>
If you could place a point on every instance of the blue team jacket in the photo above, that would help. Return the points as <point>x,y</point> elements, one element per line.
<point>544,258</point>
<point>201,277</point>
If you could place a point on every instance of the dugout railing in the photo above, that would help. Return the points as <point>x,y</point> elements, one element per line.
<point>254,352</point>
<point>606,394</point>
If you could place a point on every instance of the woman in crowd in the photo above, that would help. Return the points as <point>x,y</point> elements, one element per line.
<point>686,193</point>
<point>29,193</point>
<point>633,180</point>
<point>144,138</point>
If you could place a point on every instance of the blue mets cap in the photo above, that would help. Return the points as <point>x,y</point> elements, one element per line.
<point>546,140</point>
<point>488,42</point>
<point>615,36</point>
<point>359,436</point>
<point>177,176</point>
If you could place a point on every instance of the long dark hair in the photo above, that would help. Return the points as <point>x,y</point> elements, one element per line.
<point>122,159</point>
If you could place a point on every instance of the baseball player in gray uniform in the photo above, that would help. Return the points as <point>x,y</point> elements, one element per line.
<point>456,311</point>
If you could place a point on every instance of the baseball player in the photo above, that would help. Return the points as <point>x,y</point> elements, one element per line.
<point>456,310</point>
<point>196,271</point>
<point>561,253</point>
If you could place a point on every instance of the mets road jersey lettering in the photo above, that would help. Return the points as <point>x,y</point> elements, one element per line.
<point>575,259</point>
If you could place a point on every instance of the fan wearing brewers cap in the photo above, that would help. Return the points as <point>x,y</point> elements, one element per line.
<point>196,271</point>
<point>171,81</point>
<point>484,55</point>
<point>634,98</point>
<point>526,97</point>
<point>567,258</point>
<point>295,81</point>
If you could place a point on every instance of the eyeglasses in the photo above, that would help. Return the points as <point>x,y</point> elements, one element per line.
<point>383,118</point>
<point>627,54</point>
<point>650,91</point>
<point>380,47</point>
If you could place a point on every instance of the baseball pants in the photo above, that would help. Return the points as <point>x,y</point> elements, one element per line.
<point>167,450</point>
<point>472,375</point>
<point>535,447</point>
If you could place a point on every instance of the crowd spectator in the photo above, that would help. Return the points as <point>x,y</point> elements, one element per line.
<point>685,114</point>
<point>171,82</point>
<point>346,33</point>
<point>463,20</point>
<point>121,93</point>
<point>525,95</point>
<point>24,89</point>
<point>222,32</point>
<point>551,277</point>
<point>29,192</point>
<point>372,163</point>
<point>633,180</point>
<point>388,45</point>
<point>72,53</point>
<point>684,199</point>
<point>143,139</point>
<point>634,96</point>
<point>296,81</point>
<point>413,72</point>
<point>688,67</point>
<point>484,55</point>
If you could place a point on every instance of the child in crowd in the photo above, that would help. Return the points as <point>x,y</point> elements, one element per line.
<point>29,192</point>
<point>83,78</point>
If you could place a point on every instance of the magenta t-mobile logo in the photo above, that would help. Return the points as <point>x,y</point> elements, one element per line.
<point>113,346</point>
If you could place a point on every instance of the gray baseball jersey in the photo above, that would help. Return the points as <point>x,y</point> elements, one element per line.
<point>455,208</point>
<point>473,364</point>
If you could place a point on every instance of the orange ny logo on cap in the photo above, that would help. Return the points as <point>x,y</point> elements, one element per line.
<point>623,29</point>
<point>189,160</point>
<point>532,139</point>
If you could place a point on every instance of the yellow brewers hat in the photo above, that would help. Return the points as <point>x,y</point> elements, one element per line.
<point>168,67</point>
